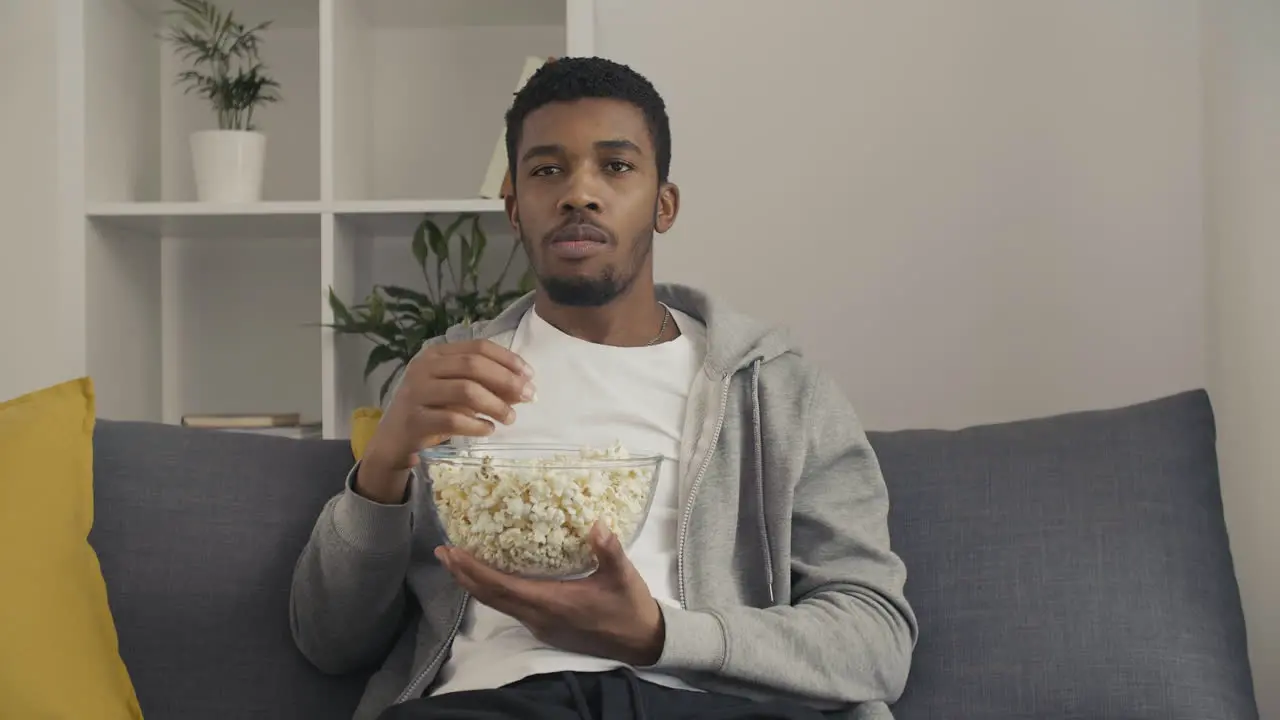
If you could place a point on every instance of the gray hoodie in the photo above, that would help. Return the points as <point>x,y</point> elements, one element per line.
<point>787,584</point>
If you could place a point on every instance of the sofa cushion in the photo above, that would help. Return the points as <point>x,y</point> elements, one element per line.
<point>55,623</point>
<point>1070,567</point>
<point>198,531</point>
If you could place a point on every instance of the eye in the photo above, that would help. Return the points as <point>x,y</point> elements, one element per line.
<point>618,166</point>
<point>544,170</point>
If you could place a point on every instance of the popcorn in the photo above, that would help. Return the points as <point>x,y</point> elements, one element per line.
<point>532,516</point>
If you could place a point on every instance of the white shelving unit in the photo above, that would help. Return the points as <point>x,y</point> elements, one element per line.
<point>390,110</point>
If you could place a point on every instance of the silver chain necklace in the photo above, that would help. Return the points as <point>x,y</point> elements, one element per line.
<point>665,315</point>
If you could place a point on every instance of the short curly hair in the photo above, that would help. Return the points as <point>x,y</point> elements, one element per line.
<point>574,78</point>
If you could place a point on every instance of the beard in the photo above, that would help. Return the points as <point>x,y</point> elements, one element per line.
<point>585,291</point>
<point>593,291</point>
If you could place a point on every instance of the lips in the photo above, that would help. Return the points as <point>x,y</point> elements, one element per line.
<point>579,233</point>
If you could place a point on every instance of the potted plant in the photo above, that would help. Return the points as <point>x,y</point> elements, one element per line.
<point>397,320</point>
<point>224,68</point>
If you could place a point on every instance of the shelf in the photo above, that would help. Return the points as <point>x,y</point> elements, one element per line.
<point>239,322</point>
<point>373,207</point>
<point>278,219</point>
<point>281,13</point>
<point>398,218</point>
<point>460,13</point>
<point>420,90</point>
<point>391,110</point>
<point>138,120</point>
<point>212,221</point>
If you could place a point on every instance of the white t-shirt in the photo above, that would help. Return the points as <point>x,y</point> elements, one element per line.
<point>595,395</point>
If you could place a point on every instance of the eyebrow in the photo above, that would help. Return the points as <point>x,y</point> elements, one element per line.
<point>620,144</point>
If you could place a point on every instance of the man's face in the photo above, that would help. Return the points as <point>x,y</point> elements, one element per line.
<point>587,199</point>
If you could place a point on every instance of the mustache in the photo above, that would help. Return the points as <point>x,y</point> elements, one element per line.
<point>579,227</point>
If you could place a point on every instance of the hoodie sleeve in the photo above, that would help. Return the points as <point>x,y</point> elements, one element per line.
<point>848,634</point>
<point>348,599</point>
<point>348,595</point>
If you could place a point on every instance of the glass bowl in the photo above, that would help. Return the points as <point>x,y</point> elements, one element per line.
<point>527,509</point>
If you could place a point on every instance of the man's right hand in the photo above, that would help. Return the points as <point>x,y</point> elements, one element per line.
<point>444,391</point>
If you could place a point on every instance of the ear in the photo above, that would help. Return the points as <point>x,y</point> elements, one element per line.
<point>668,207</point>
<point>513,210</point>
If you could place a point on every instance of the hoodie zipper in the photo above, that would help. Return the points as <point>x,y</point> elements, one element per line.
<point>457,623</point>
<point>697,481</point>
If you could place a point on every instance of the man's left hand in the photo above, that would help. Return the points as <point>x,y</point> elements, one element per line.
<point>607,614</point>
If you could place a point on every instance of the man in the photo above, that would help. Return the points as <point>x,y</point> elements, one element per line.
<point>762,585</point>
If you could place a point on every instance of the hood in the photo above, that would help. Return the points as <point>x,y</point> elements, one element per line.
<point>734,340</point>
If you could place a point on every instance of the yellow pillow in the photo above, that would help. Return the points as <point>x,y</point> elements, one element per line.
<point>363,422</point>
<point>58,649</point>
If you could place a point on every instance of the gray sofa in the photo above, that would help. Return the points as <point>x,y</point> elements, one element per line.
<point>1073,567</point>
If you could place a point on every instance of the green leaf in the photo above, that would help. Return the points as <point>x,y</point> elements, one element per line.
<point>409,310</point>
<point>480,240</point>
<point>418,334</point>
<point>419,245</point>
<point>386,332</point>
<point>437,241</point>
<point>407,295</point>
<point>386,385</point>
<point>375,311</point>
<point>457,223</point>
<point>341,315</point>
<point>399,320</point>
<point>222,56</point>
<point>447,236</point>
<point>380,355</point>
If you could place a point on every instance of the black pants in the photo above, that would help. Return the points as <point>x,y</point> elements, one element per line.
<point>615,695</point>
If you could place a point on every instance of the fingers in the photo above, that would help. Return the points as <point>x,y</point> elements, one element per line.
<point>443,391</point>
<point>455,421</point>
<point>480,369</point>
<point>468,396</point>
<point>483,370</point>
<point>505,593</point>
<point>608,550</point>
<point>487,349</point>
<point>451,384</point>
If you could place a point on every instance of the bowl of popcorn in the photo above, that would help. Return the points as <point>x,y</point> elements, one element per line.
<point>527,509</point>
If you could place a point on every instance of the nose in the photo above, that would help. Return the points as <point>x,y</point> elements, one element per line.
<point>581,193</point>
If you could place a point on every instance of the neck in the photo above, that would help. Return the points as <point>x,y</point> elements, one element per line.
<point>630,320</point>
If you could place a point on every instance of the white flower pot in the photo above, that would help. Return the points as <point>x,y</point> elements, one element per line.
<point>228,165</point>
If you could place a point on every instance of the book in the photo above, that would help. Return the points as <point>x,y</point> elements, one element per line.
<point>309,431</point>
<point>242,420</point>
<point>497,179</point>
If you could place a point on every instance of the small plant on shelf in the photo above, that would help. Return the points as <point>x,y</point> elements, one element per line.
<point>397,320</point>
<point>223,55</point>
<point>224,67</point>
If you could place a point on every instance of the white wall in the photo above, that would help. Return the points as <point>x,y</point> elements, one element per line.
<point>34,346</point>
<point>968,211</point>
<point>1242,139</point>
